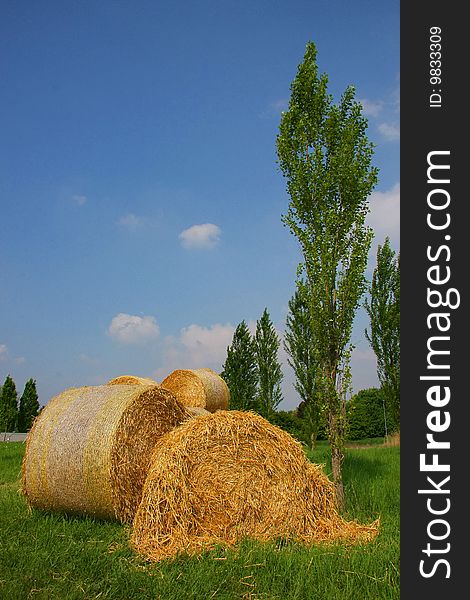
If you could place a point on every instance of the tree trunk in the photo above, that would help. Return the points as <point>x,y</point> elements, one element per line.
<point>336,439</point>
<point>336,462</point>
<point>313,440</point>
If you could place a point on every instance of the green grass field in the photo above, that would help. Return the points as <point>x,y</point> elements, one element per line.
<point>45,556</point>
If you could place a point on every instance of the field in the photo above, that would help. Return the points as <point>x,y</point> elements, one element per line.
<point>45,556</point>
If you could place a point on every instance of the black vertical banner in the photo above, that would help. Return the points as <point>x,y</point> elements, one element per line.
<point>435,365</point>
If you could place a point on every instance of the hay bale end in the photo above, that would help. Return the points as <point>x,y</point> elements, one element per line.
<point>89,449</point>
<point>202,388</point>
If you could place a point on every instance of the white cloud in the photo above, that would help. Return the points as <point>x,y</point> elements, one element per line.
<point>131,222</point>
<point>371,108</point>
<point>384,217</point>
<point>275,108</point>
<point>365,354</point>
<point>196,347</point>
<point>207,344</point>
<point>5,356</point>
<point>79,200</point>
<point>131,329</point>
<point>390,132</point>
<point>363,368</point>
<point>3,352</point>
<point>201,236</point>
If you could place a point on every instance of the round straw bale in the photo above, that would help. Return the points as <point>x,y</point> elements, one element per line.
<point>131,380</point>
<point>223,477</point>
<point>89,449</point>
<point>197,411</point>
<point>198,387</point>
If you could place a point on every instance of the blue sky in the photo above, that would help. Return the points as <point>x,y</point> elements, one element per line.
<point>140,197</point>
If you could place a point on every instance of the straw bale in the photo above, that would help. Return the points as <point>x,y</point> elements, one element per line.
<point>223,477</point>
<point>197,411</point>
<point>199,387</point>
<point>89,449</point>
<point>131,380</point>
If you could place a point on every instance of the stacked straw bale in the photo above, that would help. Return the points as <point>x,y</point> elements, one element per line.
<point>89,449</point>
<point>199,388</point>
<point>197,411</point>
<point>131,380</point>
<point>229,475</point>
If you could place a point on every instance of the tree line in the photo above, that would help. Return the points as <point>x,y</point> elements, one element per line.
<point>18,414</point>
<point>252,369</point>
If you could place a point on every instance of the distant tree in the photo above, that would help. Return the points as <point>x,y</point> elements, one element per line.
<point>366,414</point>
<point>28,407</point>
<point>322,433</point>
<point>384,337</point>
<point>240,371</point>
<point>8,405</point>
<point>300,347</point>
<point>290,422</point>
<point>325,156</point>
<point>269,369</point>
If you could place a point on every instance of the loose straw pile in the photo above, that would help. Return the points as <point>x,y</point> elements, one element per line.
<point>222,477</point>
<point>131,380</point>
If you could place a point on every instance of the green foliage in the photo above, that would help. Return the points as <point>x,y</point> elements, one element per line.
<point>252,370</point>
<point>297,424</point>
<point>290,422</point>
<point>322,433</point>
<point>365,415</point>
<point>28,407</point>
<point>300,347</point>
<point>240,371</point>
<point>8,405</point>
<point>325,156</point>
<point>384,313</point>
<point>269,370</point>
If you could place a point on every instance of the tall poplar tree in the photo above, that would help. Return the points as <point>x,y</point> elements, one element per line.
<point>269,370</point>
<point>325,156</point>
<point>384,337</point>
<point>300,347</point>
<point>28,406</point>
<point>8,406</point>
<point>240,371</point>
